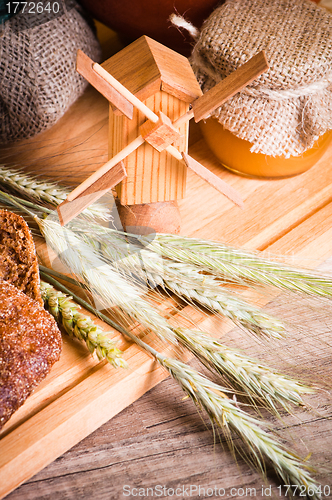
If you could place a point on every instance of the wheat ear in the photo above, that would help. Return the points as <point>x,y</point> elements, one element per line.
<point>229,263</point>
<point>78,325</point>
<point>223,412</point>
<point>111,288</point>
<point>218,301</point>
<point>243,373</point>
<point>50,192</point>
<point>239,266</point>
<point>203,392</point>
<point>104,282</point>
<point>247,374</point>
<point>185,280</point>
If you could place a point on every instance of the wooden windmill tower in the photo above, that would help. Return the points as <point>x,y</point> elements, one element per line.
<point>166,83</point>
<point>153,93</point>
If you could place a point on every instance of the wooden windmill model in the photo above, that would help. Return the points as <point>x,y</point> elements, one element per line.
<point>153,93</point>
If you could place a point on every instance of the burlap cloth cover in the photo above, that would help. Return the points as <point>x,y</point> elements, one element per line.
<point>286,109</point>
<point>38,80</point>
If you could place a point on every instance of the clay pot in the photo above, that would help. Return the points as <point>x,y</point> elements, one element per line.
<point>134,18</point>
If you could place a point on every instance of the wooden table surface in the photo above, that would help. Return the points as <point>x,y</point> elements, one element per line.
<point>161,439</point>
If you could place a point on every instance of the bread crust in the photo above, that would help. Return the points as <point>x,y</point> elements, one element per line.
<point>18,261</point>
<point>30,343</point>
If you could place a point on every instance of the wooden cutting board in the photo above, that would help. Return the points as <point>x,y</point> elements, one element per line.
<point>291,216</point>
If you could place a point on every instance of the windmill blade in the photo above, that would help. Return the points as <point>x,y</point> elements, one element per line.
<point>224,90</point>
<point>68,209</point>
<point>125,92</point>
<point>231,85</point>
<point>213,180</point>
<point>84,66</point>
<point>105,168</point>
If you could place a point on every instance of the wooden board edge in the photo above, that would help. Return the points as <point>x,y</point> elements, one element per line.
<point>26,451</point>
<point>54,418</point>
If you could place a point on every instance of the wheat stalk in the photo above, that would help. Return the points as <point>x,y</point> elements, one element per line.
<point>78,325</point>
<point>228,263</point>
<point>279,393</point>
<point>229,417</point>
<point>104,282</point>
<point>249,375</point>
<point>240,312</point>
<point>243,373</point>
<point>223,412</point>
<point>184,280</point>
<point>50,192</point>
<point>237,265</point>
<point>112,288</point>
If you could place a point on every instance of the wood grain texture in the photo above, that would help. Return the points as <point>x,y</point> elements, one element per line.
<point>84,66</point>
<point>149,218</point>
<point>72,149</point>
<point>272,207</point>
<point>213,180</point>
<point>146,66</point>
<point>70,208</point>
<point>161,439</point>
<point>151,176</point>
<point>161,134</point>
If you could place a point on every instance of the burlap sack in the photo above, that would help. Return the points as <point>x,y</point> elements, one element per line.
<point>38,80</point>
<point>286,109</point>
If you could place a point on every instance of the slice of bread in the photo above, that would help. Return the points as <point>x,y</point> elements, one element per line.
<point>18,261</point>
<point>30,343</point>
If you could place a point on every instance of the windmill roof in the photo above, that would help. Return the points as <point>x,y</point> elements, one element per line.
<point>146,66</point>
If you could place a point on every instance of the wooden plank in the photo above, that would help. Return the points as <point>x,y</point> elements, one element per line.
<point>308,243</point>
<point>162,439</point>
<point>54,429</point>
<point>70,150</point>
<point>45,434</point>
<point>272,207</point>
